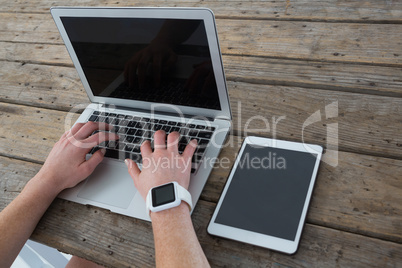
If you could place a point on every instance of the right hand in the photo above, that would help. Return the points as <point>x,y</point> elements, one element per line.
<point>164,165</point>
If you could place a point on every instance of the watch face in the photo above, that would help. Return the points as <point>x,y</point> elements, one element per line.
<point>163,195</point>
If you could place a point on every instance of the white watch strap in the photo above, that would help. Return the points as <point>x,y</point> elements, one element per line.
<point>185,196</point>
<point>182,194</point>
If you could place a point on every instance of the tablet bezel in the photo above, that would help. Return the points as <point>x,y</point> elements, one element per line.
<point>258,239</point>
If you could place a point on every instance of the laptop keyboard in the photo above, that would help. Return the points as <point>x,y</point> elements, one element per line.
<point>134,130</point>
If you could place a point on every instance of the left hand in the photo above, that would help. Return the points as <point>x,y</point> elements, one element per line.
<point>66,165</point>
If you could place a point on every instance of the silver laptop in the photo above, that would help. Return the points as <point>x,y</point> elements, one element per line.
<point>146,69</point>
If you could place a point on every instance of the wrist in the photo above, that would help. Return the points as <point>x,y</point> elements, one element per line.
<point>167,196</point>
<point>180,211</point>
<point>46,183</point>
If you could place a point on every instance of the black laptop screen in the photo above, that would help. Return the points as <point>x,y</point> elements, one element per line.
<point>155,60</point>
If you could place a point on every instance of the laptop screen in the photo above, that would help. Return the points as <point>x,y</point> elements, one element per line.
<point>155,60</point>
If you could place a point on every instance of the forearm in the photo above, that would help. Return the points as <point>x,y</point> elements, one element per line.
<point>176,244</point>
<point>20,217</point>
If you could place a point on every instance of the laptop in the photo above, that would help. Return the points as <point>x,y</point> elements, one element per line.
<point>146,69</point>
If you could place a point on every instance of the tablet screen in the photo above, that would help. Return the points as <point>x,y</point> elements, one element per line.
<point>268,191</point>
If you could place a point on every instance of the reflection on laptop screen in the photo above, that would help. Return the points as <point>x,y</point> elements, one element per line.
<point>156,60</point>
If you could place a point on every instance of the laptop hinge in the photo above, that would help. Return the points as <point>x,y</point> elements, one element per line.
<point>148,111</point>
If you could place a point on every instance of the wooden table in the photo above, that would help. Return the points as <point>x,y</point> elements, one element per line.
<point>282,58</point>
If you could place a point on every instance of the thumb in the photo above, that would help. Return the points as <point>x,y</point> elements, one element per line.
<point>94,161</point>
<point>133,169</point>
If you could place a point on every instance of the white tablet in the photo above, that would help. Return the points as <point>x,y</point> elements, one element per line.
<point>266,196</point>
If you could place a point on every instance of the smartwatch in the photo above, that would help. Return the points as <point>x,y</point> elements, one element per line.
<point>167,196</point>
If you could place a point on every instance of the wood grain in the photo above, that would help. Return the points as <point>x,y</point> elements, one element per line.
<point>379,80</point>
<point>366,123</point>
<point>123,241</point>
<point>340,42</point>
<point>282,58</point>
<point>306,10</point>
<point>29,133</point>
<point>370,188</point>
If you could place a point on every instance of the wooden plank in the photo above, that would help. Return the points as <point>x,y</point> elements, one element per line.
<point>364,182</point>
<point>337,42</point>
<point>354,196</point>
<point>52,87</point>
<point>30,133</point>
<point>121,241</point>
<point>366,123</point>
<point>371,10</point>
<point>366,79</point>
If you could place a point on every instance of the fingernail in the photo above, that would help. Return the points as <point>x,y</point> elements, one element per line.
<point>103,150</point>
<point>128,163</point>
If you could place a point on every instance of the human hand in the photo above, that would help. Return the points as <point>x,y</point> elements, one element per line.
<point>66,165</point>
<point>163,165</point>
<point>157,56</point>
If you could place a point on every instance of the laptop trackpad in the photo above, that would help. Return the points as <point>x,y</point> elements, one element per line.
<point>110,185</point>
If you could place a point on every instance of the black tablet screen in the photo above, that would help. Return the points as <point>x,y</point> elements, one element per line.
<point>268,191</point>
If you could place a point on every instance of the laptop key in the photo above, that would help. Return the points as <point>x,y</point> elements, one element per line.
<point>166,128</point>
<point>157,127</point>
<point>124,122</point>
<point>139,132</point>
<point>177,129</point>
<point>93,118</point>
<point>135,157</point>
<point>136,149</point>
<point>137,140</point>
<point>115,121</point>
<point>193,133</point>
<point>128,148</point>
<point>122,130</point>
<point>131,131</point>
<point>129,139</point>
<point>132,124</point>
<point>111,153</point>
<point>120,146</point>
<point>205,134</point>
<point>182,147</point>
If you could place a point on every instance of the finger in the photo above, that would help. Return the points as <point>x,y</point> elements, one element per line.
<point>100,137</point>
<point>173,141</point>
<point>159,140</point>
<point>146,149</point>
<point>190,149</point>
<point>89,128</point>
<point>133,170</point>
<point>75,129</point>
<point>89,166</point>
